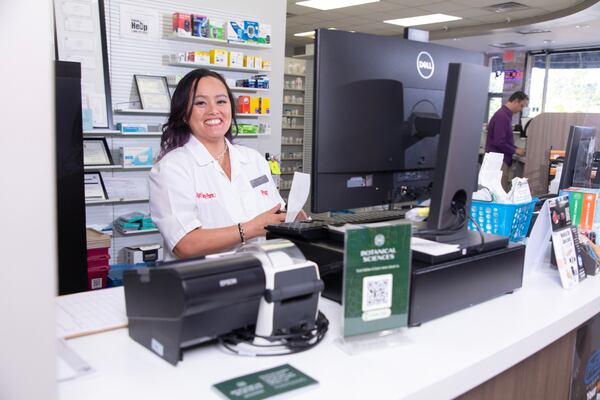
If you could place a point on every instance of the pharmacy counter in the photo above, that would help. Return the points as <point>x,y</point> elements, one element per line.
<point>439,360</point>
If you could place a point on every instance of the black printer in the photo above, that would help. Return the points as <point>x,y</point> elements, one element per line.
<point>183,303</point>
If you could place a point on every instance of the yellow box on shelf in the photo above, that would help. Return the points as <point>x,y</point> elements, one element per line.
<point>219,57</point>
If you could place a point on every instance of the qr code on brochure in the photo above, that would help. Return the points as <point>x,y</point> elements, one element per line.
<point>377,292</point>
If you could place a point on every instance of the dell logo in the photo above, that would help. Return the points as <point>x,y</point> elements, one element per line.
<point>228,282</point>
<point>425,65</point>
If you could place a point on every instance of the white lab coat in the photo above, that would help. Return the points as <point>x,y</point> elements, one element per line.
<point>189,190</point>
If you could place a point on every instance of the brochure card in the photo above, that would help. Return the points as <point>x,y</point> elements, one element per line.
<point>264,384</point>
<point>566,244</point>
<point>376,279</point>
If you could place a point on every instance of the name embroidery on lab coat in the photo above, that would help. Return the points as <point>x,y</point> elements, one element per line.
<point>201,195</point>
<point>264,192</point>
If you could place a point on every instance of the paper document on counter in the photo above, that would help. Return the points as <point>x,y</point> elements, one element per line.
<point>432,248</point>
<point>90,312</point>
<point>298,195</point>
<point>69,365</point>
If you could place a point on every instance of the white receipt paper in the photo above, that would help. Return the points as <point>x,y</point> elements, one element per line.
<point>298,195</point>
<point>432,248</point>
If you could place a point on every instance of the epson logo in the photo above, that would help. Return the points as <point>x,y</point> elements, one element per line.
<point>228,282</point>
<point>425,65</point>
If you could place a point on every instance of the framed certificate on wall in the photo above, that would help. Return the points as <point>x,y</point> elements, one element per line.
<point>154,92</point>
<point>81,37</point>
<point>96,152</point>
<point>94,186</point>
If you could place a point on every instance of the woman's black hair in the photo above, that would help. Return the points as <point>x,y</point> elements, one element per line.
<point>176,131</point>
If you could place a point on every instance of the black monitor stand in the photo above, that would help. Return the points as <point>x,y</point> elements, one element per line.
<point>456,166</point>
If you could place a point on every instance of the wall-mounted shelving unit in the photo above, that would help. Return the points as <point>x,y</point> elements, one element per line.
<point>293,123</point>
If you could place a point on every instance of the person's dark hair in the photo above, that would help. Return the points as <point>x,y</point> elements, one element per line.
<point>176,131</point>
<point>519,96</point>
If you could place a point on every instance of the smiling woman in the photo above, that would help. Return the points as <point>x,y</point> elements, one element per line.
<point>208,195</point>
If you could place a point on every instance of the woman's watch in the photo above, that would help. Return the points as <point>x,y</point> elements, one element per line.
<point>242,235</point>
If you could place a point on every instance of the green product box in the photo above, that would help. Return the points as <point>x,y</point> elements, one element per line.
<point>215,28</point>
<point>376,283</point>
<point>264,384</point>
<point>246,129</point>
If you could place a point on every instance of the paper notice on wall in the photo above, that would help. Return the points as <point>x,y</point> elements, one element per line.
<point>139,23</point>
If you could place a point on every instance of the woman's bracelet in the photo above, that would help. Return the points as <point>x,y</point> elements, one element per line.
<point>242,236</point>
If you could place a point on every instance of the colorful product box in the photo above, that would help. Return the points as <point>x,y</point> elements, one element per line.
<point>264,35</point>
<point>200,25</point>
<point>243,104</point>
<point>236,59</point>
<point>136,156</point>
<point>132,128</point>
<point>190,56</point>
<point>246,129</point>
<point>583,210</point>
<point>249,61</point>
<point>182,24</point>
<point>143,253</point>
<point>202,57</point>
<point>266,65</point>
<point>218,57</point>
<point>258,62</point>
<point>216,28</point>
<point>255,105</point>
<point>234,31</point>
<point>251,31</point>
<point>265,105</point>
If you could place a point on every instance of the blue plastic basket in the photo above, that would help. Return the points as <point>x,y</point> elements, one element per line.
<point>510,220</point>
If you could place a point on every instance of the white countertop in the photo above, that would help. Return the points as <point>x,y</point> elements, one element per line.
<point>441,359</point>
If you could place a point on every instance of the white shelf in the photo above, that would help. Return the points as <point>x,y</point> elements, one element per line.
<point>292,116</point>
<point>294,90</point>
<point>140,111</point>
<point>113,201</point>
<point>137,168</point>
<point>291,144</point>
<point>119,133</point>
<point>300,75</point>
<point>251,135</point>
<point>100,132</point>
<point>301,128</point>
<point>216,67</point>
<point>217,42</point>
<point>291,159</point>
<point>101,167</point>
<point>249,89</point>
<point>293,104</point>
<point>252,115</point>
<point>134,233</point>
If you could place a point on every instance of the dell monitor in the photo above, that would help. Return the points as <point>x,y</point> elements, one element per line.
<point>577,167</point>
<point>378,105</point>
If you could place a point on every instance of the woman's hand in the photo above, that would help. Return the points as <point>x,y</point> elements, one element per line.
<point>256,226</point>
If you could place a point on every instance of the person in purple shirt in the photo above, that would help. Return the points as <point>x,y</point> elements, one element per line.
<point>500,133</point>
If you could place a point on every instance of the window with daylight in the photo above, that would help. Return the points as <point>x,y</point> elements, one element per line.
<point>565,82</point>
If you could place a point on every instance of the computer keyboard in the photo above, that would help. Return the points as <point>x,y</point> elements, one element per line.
<point>307,230</point>
<point>365,217</point>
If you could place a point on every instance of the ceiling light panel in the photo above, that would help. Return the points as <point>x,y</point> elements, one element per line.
<point>333,4</point>
<point>422,20</point>
<point>309,34</point>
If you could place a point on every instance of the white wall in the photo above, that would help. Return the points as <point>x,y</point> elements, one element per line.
<point>27,202</point>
